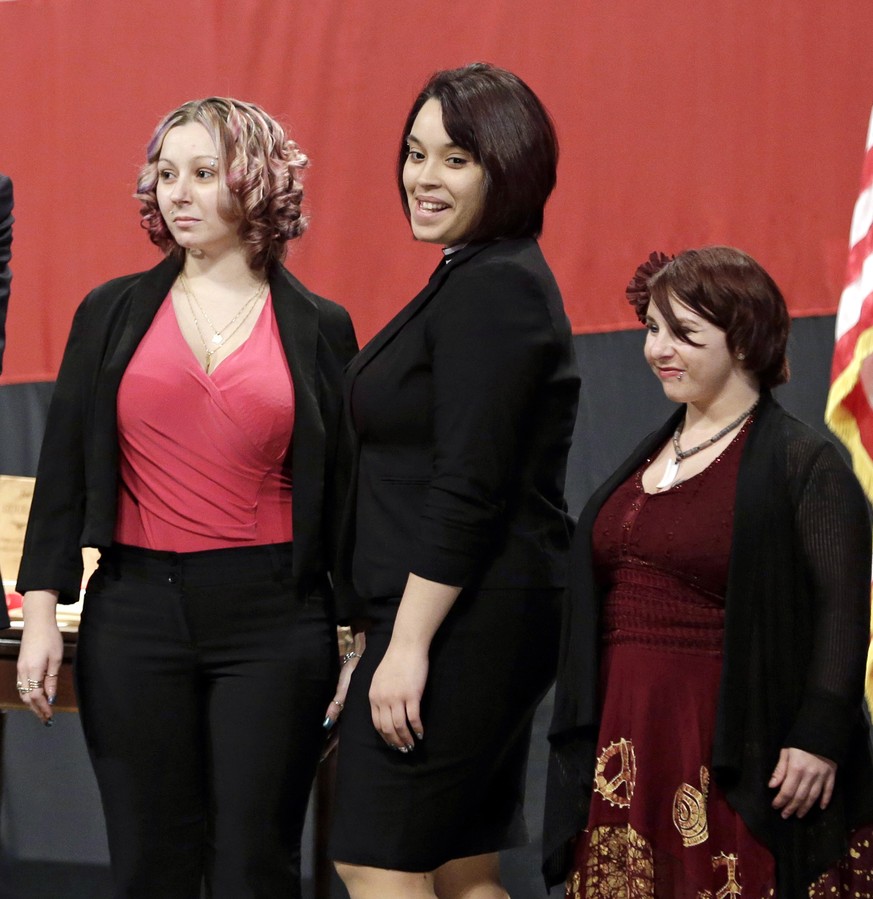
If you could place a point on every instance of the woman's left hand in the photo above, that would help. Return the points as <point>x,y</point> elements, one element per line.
<point>804,779</point>
<point>398,683</point>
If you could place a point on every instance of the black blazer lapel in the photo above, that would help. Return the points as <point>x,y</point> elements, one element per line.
<point>651,443</point>
<point>297,320</point>
<point>142,306</point>
<point>390,331</point>
<point>122,339</point>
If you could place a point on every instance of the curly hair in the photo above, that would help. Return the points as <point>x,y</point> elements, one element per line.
<point>261,168</point>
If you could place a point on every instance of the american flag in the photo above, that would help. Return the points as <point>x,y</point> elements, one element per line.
<point>849,412</point>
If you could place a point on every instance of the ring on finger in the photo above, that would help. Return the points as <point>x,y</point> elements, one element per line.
<point>50,675</point>
<point>22,690</point>
<point>35,684</point>
<point>337,703</point>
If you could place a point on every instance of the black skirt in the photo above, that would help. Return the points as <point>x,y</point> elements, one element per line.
<point>461,791</point>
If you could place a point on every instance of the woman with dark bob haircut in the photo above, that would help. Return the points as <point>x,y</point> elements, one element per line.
<point>463,408</point>
<point>500,120</point>
<point>709,737</point>
<point>189,398</point>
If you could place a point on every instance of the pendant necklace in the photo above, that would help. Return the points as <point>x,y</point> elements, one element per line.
<point>672,471</point>
<point>219,336</point>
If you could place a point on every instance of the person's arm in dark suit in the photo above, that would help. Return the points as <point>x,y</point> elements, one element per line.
<point>6,220</point>
<point>5,277</point>
<point>488,333</point>
<point>52,558</point>
<point>490,341</point>
<point>340,335</point>
<point>51,566</point>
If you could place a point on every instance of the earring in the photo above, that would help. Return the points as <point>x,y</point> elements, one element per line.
<point>741,356</point>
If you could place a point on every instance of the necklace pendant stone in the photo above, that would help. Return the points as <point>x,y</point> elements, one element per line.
<point>217,339</point>
<point>669,475</point>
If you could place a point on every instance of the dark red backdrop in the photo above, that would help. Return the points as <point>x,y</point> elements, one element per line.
<point>681,122</point>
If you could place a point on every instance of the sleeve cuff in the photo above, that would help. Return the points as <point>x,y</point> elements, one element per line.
<point>824,726</point>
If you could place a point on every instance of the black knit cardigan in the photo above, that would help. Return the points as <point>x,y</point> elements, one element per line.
<point>797,620</point>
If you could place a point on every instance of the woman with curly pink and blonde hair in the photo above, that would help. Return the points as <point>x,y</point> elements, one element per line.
<point>262,191</point>
<point>189,399</point>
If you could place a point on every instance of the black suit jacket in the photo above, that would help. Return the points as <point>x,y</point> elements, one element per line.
<point>6,221</point>
<point>5,277</point>
<point>463,408</point>
<point>75,500</point>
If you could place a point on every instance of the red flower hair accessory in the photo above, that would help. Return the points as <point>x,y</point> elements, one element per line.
<point>637,290</point>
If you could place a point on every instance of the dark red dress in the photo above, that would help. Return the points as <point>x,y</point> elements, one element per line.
<point>658,824</point>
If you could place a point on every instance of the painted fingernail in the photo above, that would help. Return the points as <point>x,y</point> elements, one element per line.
<point>403,749</point>
<point>410,747</point>
<point>51,700</point>
<point>327,724</point>
<point>419,735</point>
<point>49,722</point>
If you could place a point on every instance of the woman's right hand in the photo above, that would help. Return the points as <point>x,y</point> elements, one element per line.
<point>41,654</point>
<point>348,663</point>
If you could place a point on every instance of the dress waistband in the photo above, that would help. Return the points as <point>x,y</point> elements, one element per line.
<point>649,607</point>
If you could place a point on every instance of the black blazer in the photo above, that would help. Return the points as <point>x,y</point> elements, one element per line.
<point>6,221</point>
<point>463,408</point>
<point>5,277</point>
<point>75,500</point>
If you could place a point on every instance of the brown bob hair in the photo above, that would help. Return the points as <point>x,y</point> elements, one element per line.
<point>496,117</point>
<point>261,168</point>
<point>729,289</point>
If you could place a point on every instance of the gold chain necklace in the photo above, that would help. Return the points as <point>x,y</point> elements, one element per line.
<point>219,336</point>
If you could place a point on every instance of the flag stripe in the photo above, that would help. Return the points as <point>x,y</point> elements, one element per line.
<point>849,413</point>
<point>862,217</point>
<point>855,296</point>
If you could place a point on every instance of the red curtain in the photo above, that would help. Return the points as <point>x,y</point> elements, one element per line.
<point>681,123</point>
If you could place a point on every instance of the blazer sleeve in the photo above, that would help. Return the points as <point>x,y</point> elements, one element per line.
<point>52,556</point>
<point>339,474</point>
<point>832,525</point>
<point>488,336</point>
<point>6,220</point>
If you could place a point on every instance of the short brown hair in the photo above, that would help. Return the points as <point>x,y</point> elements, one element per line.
<point>496,117</point>
<point>261,169</point>
<point>729,289</point>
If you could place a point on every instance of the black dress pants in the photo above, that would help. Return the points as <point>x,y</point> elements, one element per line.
<point>202,684</point>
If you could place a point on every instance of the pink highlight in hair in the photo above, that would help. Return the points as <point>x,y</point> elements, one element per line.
<point>262,169</point>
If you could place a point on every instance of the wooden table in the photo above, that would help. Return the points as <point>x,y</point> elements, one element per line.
<point>10,641</point>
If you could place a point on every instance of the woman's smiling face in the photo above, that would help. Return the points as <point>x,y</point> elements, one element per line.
<point>444,183</point>
<point>697,373</point>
